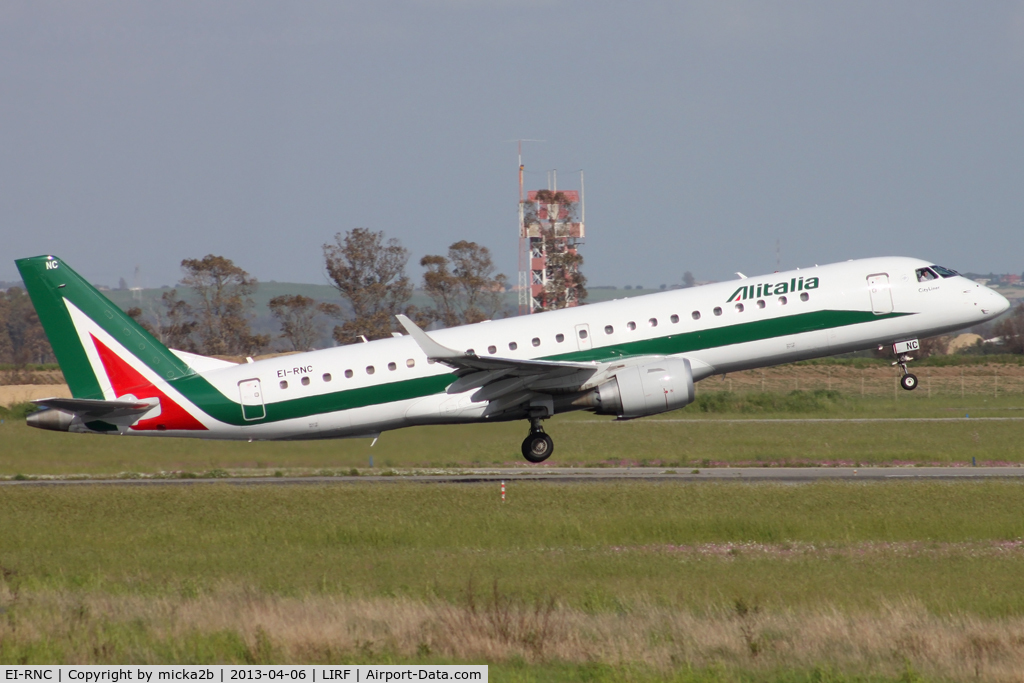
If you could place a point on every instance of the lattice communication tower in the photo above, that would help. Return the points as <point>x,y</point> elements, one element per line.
<point>551,228</point>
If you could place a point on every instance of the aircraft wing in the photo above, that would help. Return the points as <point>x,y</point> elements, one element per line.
<point>500,377</point>
<point>90,409</point>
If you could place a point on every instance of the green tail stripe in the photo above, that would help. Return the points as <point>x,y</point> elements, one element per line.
<point>49,281</point>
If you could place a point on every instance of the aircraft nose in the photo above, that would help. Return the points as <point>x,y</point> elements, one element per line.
<point>995,304</point>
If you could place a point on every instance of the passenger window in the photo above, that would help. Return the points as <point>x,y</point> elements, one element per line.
<point>608,329</point>
<point>653,322</point>
<point>674,318</point>
<point>559,338</point>
<point>370,370</point>
<point>717,311</point>
<point>392,366</point>
<point>470,352</point>
<point>348,374</point>
<point>695,315</point>
<point>512,346</point>
<point>739,308</point>
<point>804,296</point>
<point>536,341</point>
<point>492,349</point>
<point>630,326</point>
<point>411,363</point>
<point>284,384</point>
<point>305,381</point>
<point>327,377</point>
<point>760,303</point>
<point>583,334</point>
<point>783,301</point>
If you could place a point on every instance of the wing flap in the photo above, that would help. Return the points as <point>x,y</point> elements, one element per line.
<point>502,382</point>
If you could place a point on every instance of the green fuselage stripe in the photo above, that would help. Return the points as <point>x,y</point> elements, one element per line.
<point>214,403</point>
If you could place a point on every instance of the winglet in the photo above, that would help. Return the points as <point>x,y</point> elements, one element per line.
<point>426,344</point>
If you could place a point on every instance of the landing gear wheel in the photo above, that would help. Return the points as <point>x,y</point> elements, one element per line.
<point>908,382</point>
<point>538,447</point>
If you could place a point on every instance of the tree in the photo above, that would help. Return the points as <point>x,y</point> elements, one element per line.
<point>370,273</point>
<point>688,279</point>
<point>175,327</point>
<point>218,324</point>
<point>225,303</point>
<point>1011,331</point>
<point>468,291</point>
<point>135,313</point>
<point>933,346</point>
<point>6,347</point>
<point>26,341</point>
<point>298,317</point>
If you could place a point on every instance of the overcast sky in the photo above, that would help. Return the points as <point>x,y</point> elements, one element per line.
<point>139,133</point>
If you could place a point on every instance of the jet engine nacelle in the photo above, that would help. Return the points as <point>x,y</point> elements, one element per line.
<point>50,418</point>
<point>648,389</point>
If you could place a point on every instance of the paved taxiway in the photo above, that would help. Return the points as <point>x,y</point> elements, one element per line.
<point>793,475</point>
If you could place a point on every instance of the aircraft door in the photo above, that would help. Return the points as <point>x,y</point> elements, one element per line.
<point>583,337</point>
<point>252,400</point>
<point>881,293</point>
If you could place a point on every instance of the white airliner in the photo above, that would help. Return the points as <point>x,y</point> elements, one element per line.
<point>629,358</point>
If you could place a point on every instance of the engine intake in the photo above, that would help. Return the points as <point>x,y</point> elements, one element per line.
<point>648,389</point>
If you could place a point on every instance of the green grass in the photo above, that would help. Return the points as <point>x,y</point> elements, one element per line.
<point>692,437</point>
<point>595,546</point>
<point>17,411</point>
<point>918,573</point>
<point>603,673</point>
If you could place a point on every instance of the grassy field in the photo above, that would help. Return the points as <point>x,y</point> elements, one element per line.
<point>598,581</point>
<point>601,582</point>
<point>719,429</point>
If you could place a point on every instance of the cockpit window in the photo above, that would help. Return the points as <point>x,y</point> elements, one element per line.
<point>945,272</point>
<point>926,274</point>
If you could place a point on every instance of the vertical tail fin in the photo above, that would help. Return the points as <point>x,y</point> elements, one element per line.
<point>85,329</point>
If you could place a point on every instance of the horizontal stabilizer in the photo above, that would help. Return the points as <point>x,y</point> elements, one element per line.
<point>89,409</point>
<point>202,363</point>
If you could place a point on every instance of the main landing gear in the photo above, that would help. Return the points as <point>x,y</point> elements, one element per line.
<point>908,381</point>
<point>538,446</point>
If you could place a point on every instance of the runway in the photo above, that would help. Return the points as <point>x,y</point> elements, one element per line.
<point>753,475</point>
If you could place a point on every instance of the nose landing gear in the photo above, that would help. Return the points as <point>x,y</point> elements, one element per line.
<point>538,446</point>
<point>908,381</point>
